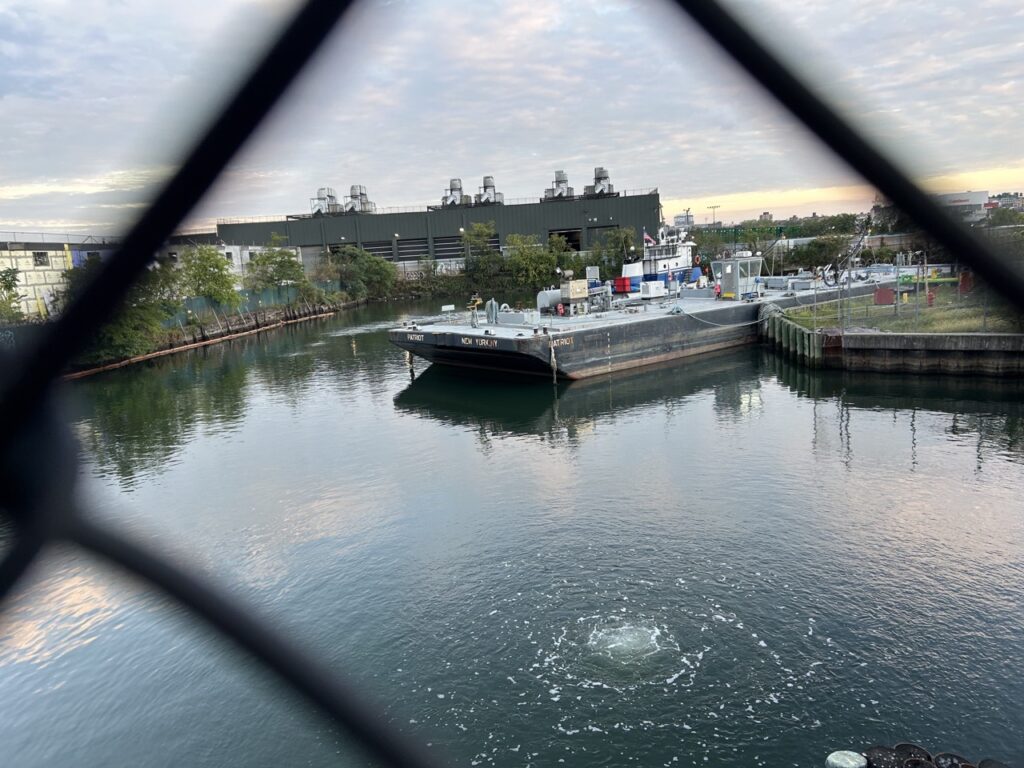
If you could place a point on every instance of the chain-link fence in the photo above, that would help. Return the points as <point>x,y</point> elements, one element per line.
<point>44,509</point>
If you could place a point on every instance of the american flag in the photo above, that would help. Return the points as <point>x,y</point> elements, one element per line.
<point>648,240</point>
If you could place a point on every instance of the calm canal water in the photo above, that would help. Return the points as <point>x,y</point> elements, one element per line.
<point>723,562</point>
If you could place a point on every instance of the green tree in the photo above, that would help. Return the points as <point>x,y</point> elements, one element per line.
<point>532,265</point>
<point>824,250</point>
<point>614,248</point>
<point>138,325</point>
<point>486,268</point>
<point>709,243</point>
<point>359,273</point>
<point>479,238</point>
<point>10,299</point>
<point>813,226</point>
<point>205,272</point>
<point>378,274</point>
<point>758,238</point>
<point>1002,217</point>
<point>326,269</point>
<point>569,260</point>
<point>274,266</point>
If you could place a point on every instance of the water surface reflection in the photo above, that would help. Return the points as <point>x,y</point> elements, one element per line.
<point>728,561</point>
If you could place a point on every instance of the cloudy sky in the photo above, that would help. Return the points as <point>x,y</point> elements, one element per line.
<point>97,99</point>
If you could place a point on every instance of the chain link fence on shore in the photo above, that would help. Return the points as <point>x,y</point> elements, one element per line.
<point>916,308</point>
<point>249,302</point>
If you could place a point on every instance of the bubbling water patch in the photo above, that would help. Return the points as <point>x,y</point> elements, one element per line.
<point>628,641</point>
<point>617,652</point>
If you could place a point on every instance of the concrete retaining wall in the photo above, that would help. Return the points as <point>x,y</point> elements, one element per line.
<point>991,354</point>
<point>988,354</point>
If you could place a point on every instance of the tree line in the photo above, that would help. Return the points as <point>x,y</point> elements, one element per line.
<point>146,318</point>
<point>529,264</point>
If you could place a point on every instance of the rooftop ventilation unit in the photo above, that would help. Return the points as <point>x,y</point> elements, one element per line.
<point>487,195</point>
<point>560,190</point>
<point>602,186</point>
<point>358,202</point>
<point>453,195</point>
<point>324,202</point>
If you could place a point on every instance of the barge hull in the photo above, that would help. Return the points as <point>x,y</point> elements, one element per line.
<point>509,360</point>
<point>578,354</point>
<point>573,349</point>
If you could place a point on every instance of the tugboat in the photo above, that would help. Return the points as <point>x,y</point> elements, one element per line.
<point>669,259</point>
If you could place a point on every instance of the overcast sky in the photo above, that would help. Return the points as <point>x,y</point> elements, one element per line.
<point>97,97</point>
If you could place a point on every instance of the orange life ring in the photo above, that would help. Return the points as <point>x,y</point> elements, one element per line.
<point>696,259</point>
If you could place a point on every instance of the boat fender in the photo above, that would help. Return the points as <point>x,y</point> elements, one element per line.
<point>560,309</point>
<point>846,759</point>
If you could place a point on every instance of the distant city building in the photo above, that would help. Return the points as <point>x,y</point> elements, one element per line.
<point>683,220</point>
<point>970,207</point>
<point>1011,200</point>
<point>41,266</point>
<point>766,216</point>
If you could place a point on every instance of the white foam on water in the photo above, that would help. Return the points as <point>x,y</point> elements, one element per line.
<point>626,641</point>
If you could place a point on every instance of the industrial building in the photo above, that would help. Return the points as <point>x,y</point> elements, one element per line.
<point>409,235</point>
<point>41,265</point>
<point>970,207</point>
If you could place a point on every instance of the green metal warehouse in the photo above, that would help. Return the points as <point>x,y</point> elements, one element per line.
<point>435,232</point>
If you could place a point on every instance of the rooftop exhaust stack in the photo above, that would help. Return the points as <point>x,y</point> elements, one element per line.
<point>487,194</point>
<point>358,202</point>
<point>324,202</point>
<point>452,195</point>
<point>560,190</point>
<point>602,184</point>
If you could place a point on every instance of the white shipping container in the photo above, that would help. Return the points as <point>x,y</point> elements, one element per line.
<point>652,289</point>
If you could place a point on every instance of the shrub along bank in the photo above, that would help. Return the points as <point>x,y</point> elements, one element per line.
<point>199,296</point>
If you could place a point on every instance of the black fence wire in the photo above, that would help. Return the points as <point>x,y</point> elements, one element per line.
<point>45,510</point>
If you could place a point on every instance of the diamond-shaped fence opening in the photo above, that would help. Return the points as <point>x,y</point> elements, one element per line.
<point>43,509</point>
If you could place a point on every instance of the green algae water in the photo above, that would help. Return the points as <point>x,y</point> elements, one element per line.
<point>727,561</point>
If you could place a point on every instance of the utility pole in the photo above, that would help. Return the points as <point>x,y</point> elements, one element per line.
<point>713,208</point>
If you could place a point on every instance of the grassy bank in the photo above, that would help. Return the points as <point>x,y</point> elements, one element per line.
<point>980,311</point>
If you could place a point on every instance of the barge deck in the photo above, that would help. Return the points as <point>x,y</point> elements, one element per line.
<point>644,332</point>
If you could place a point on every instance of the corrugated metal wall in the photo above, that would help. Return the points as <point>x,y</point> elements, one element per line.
<point>433,233</point>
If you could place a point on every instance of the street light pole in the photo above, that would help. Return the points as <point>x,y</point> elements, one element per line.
<point>465,244</point>
<point>713,208</point>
